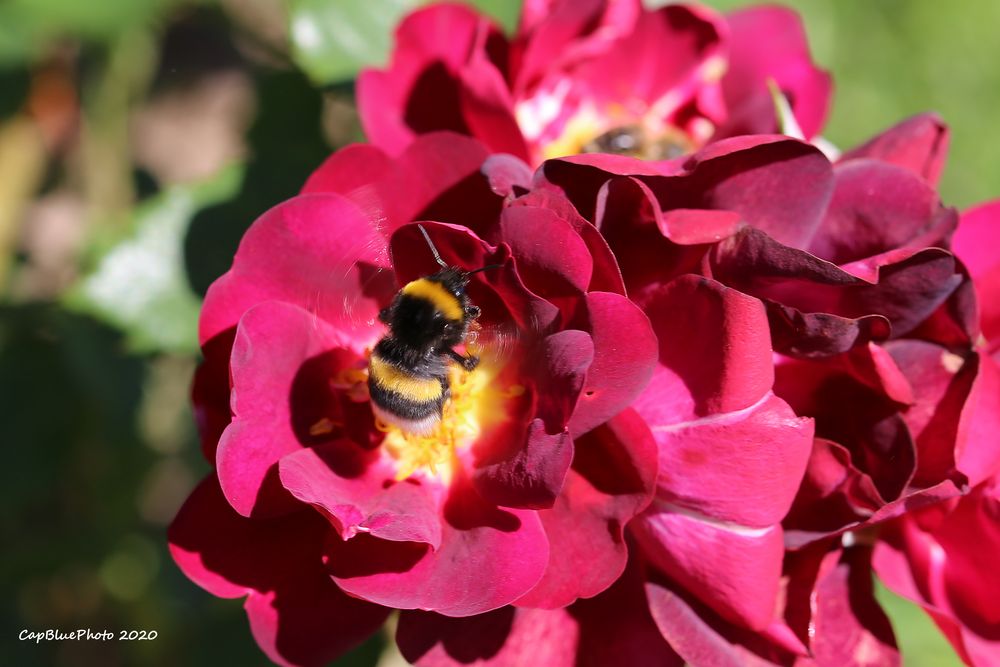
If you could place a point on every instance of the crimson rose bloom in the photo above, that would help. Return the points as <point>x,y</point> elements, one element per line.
<point>523,495</point>
<point>597,76</point>
<point>874,325</point>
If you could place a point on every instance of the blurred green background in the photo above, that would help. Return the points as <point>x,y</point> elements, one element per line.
<point>138,139</point>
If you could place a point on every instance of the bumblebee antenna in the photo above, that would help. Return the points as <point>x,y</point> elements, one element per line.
<point>484,268</point>
<point>434,250</point>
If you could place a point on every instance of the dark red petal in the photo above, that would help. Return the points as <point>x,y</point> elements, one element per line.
<point>555,35</point>
<point>904,286</point>
<point>277,564</point>
<point>715,352</point>
<point>357,490</point>
<point>919,144</point>
<point>488,109</point>
<point>551,257</point>
<point>500,293</point>
<point>419,92</point>
<point>668,54</point>
<point>210,391</point>
<point>777,184</point>
<point>508,176</point>
<point>610,482</point>
<point>520,466</point>
<point>817,335</point>
<point>488,558</point>
<point>620,371</point>
<point>506,637</point>
<point>606,276</point>
<point>868,195</point>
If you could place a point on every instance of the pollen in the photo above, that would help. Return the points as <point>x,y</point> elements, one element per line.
<point>475,404</point>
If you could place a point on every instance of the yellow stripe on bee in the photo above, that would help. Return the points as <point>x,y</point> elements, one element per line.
<point>400,382</point>
<point>432,291</point>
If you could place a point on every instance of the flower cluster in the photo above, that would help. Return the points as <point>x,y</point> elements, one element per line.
<point>723,377</point>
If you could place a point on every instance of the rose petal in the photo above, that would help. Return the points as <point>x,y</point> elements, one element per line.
<point>733,569</point>
<point>526,468</point>
<point>849,626</point>
<point>919,143</point>
<point>743,467</point>
<point>505,637</point>
<point>702,638</point>
<point>610,482</point>
<point>282,360</point>
<point>619,372</point>
<point>867,196</point>
<point>419,92</point>
<point>488,558</point>
<point>358,491</point>
<point>716,358</point>
<point>317,251</point>
<point>276,563</point>
<point>349,169</point>
<point>769,42</point>
<point>978,233</point>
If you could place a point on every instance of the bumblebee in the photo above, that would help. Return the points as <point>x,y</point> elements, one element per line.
<point>409,368</point>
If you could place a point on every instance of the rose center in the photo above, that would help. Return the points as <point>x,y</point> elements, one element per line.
<point>476,403</point>
<point>636,141</point>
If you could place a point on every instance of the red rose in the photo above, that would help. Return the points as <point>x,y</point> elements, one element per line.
<point>598,76</point>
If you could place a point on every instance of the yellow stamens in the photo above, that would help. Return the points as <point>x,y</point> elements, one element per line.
<point>323,427</point>
<point>474,405</point>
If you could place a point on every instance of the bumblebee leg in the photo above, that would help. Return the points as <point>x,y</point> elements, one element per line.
<point>472,312</point>
<point>468,363</point>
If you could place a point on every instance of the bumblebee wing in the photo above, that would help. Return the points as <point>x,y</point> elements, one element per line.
<point>359,285</point>
<point>493,343</point>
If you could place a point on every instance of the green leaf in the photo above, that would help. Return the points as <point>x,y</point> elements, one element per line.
<point>920,641</point>
<point>333,39</point>
<point>140,284</point>
<point>27,25</point>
